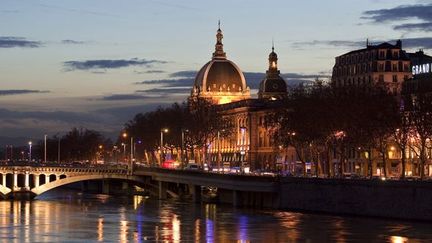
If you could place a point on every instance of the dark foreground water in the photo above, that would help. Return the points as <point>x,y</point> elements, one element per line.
<point>69,216</point>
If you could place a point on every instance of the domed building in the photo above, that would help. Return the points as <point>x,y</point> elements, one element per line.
<point>273,86</point>
<point>220,79</point>
<point>250,144</point>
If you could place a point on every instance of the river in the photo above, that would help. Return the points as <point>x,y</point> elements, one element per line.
<point>70,216</point>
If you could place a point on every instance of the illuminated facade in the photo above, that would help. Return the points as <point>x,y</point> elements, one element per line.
<point>384,64</point>
<point>401,72</point>
<point>250,145</point>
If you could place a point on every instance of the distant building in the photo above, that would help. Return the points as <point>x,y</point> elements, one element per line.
<point>384,64</point>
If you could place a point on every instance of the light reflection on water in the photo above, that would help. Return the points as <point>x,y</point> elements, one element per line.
<point>69,216</point>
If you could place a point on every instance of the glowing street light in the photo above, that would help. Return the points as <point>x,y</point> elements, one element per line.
<point>30,147</point>
<point>131,150</point>
<point>163,130</point>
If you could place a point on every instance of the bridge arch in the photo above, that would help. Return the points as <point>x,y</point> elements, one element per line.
<point>4,191</point>
<point>72,179</point>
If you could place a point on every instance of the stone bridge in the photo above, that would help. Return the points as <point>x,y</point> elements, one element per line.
<point>37,180</point>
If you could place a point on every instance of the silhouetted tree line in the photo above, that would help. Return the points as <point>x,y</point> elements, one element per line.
<point>191,125</point>
<point>321,120</point>
<point>77,145</point>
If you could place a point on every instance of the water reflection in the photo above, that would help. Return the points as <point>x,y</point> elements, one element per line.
<point>76,217</point>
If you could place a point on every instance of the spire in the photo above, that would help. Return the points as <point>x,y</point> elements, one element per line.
<point>219,53</point>
<point>272,45</point>
<point>273,69</point>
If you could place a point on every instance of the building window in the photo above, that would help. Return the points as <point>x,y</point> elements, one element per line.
<point>394,67</point>
<point>381,54</point>
<point>381,78</point>
<point>395,79</point>
<point>381,67</point>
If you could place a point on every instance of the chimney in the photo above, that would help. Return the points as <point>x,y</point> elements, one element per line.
<point>399,44</point>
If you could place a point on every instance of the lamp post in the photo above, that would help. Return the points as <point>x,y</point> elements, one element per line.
<point>30,152</point>
<point>58,151</point>
<point>183,147</point>
<point>124,150</point>
<point>164,130</point>
<point>45,147</point>
<point>130,164</point>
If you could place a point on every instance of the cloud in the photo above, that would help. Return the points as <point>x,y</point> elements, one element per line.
<point>422,12</point>
<point>149,71</point>
<point>184,74</point>
<point>333,43</point>
<point>73,42</point>
<point>5,92</point>
<point>426,27</point>
<point>167,90</point>
<point>185,82</point>
<point>109,64</point>
<point>415,42</point>
<point>123,97</point>
<point>403,12</point>
<point>11,42</point>
<point>53,115</point>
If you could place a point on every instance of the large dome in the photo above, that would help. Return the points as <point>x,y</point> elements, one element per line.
<point>220,79</point>
<point>220,75</point>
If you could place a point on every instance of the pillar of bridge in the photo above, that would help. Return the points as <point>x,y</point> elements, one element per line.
<point>4,180</point>
<point>36,180</point>
<point>47,180</point>
<point>162,186</point>
<point>105,186</point>
<point>236,198</point>
<point>127,188</point>
<point>15,180</point>
<point>26,180</point>
<point>195,191</point>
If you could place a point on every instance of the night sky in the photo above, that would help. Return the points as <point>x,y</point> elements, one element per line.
<point>97,63</point>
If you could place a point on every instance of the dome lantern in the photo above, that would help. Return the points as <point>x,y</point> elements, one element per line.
<point>273,86</point>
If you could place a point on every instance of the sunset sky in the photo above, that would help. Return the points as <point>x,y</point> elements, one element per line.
<point>96,63</point>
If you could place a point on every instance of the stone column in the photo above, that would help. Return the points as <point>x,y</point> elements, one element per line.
<point>47,180</point>
<point>26,181</point>
<point>105,186</point>
<point>196,193</point>
<point>162,189</point>
<point>4,180</point>
<point>15,180</point>
<point>36,180</point>
<point>236,198</point>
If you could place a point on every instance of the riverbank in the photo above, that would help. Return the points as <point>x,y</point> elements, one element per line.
<point>411,200</point>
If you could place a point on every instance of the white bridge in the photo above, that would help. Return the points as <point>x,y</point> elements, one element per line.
<point>37,180</point>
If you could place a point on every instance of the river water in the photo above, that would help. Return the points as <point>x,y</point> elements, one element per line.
<point>70,216</point>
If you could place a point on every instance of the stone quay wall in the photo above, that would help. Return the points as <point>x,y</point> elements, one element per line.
<point>391,199</point>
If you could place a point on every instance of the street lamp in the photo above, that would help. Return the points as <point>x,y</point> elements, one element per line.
<point>183,147</point>
<point>30,146</point>
<point>163,130</point>
<point>45,147</point>
<point>131,151</point>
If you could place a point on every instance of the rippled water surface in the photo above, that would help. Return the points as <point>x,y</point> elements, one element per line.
<point>69,216</point>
